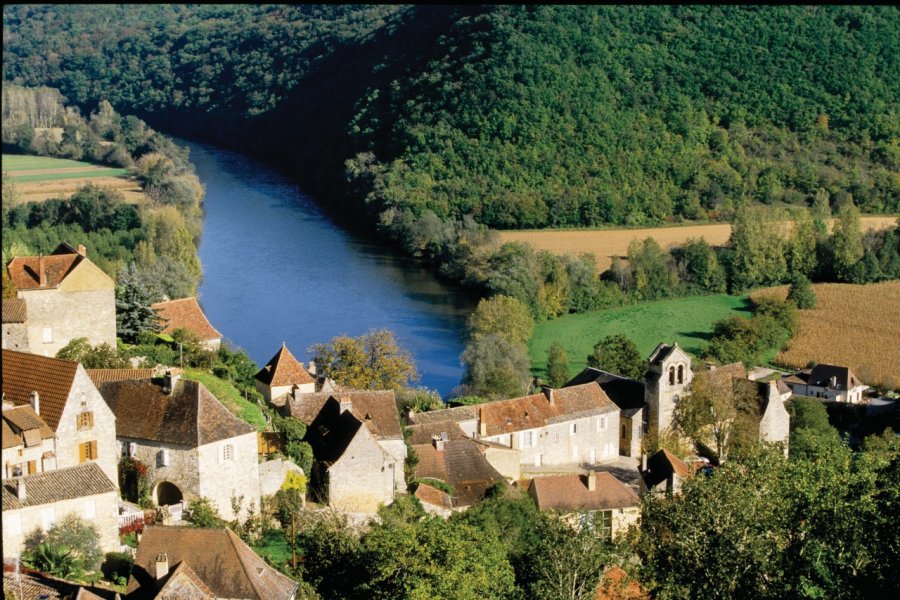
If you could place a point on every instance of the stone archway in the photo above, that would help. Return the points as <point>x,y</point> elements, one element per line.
<point>167,493</point>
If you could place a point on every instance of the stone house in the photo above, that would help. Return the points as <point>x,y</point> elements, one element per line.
<point>192,445</point>
<point>65,398</point>
<point>628,395</point>
<point>38,501</point>
<point>179,563</point>
<point>351,468</point>
<point>15,324</point>
<point>664,468</point>
<point>282,375</point>
<point>185,313</point>
<point>668,379</point>
<point>67,297</point>
<point>502,458</point>
<point>376,409</point>
<point>29,445</point>
<point>827,382</point>
<point>612,505</point>
<point>466,417</point>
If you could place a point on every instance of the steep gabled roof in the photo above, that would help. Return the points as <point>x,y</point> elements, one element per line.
<point>22,426</point>
<point>51,378</point>
<point>190,415</point>
<point>662,465</point>
<point>461,464</point>
<point>185,313</point>
<point>376,408</point>
<point>217,557</point>
<point>625,393</point>
<point>431,495</point>
<point>530,412</point>
<point>283,369</point>
<point>184,582</point>
<point>25,271</point>
<point>331,432</point>
<point>15,310</point>
<point>821,375</point>
<point>57,485</point>
<point>570,492</point>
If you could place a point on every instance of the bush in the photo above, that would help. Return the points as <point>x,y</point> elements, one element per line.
<point>117,566</point>
<point>802,294</point>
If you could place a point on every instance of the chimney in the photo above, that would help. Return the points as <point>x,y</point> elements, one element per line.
<point>36,402</point>
<point>346,403</point>
<point>437,442</point>
<point>82,250</point>
<point>42,271</point>
<point>592,482</point>
<point>162,566</point>
<point>482,426</point>
<point>169,382</point>
<point>833,382</point>
<point>312,368</point>
<point>548,391</point>
<point>20,489</point>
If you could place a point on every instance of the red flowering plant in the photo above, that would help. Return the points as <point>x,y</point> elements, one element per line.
<point>133,481</point>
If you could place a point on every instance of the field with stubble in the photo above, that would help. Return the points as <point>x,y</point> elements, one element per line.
<point>604,244</point>
<point>853,325</point>
<point>39,178</point>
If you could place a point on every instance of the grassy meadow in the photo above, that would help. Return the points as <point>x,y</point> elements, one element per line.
<point>688,321</point>
<point>38,178</point>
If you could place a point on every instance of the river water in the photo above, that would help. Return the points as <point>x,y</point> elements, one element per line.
<point>275,269</point>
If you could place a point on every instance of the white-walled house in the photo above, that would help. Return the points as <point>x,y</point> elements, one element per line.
<point>192,445</point>
<point>827,382</point>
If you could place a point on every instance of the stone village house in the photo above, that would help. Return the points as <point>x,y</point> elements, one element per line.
<point>67,297</point>
<point>827,382</point>
<point>185,313</point>
<point>282,375</point>
<point>191,443</point>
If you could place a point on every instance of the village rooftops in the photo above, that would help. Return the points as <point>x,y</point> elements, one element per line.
<point>540,410</point>
<point>573,492</point>
<point>625,393</point>
<point>99,376</point>
<point>188,415</point>
<point>39,586</point>
<point>24,427</point>
<point>49,487</point>
<point>217,558</point>
<point>45,272</point>
<point>376,408</point>
<point>185,313</point>
<point>51,378</point>
<point>283,370</point>
<point>457,414</point>
<point>15,310</point>
<point>461,464</point>
<point>662,465</point>
<point>424,433</point>
<point>331,432</point>
<point>832,376</point>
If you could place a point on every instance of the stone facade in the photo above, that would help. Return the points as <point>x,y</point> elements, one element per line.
<point>668,379</point>
<point>223,478</point>
<point>272,474</point>
<point>82,306</point>
<point>22,460</point>
<point>396,450</point>
<point>182,470</point>
<point>775,422</point>
<point>15,336</point>
<point>362,479</point>
<point>505,460</point>
<point>631,433</point>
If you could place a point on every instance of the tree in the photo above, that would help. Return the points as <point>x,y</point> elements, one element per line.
<point>374,361</point>
<point>758,248</point>
<point>557,365</point>
<point>71,543</point>
<point>847,243</point>
<point>619,355</point>
<point>204,513</point>
<point>102,357</point>
<point>501,315</point>
<point>801,293</point>
<point>700,266</point>
<point>653,275</point>
<point>801,246</point>
<point>496,367</point>
<point>133,299</point>
<point>809,427</point>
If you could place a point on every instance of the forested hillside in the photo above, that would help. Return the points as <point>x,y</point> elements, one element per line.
<point>519,116</point>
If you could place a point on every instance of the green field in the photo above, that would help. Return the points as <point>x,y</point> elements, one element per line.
<point>688,321</point>
<point>75,175</point>
<point>27,162</point>
<point>23,163</point>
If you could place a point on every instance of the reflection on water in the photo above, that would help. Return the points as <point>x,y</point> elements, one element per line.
<point>276,269</point>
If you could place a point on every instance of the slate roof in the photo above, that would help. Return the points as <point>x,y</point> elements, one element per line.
<point>48,487</point>
<point>422,434</point>
<point>625,393</point>
<point>662,465</point>
<point>14,310</point>
<point>331,432</point>
<point>283,369</point>
<point>50,377</point>
<point>19,420</point>
<point>376,408</point>
<point>185,313</point>
<point>225,564</point>
<point>190,415</point>
<point>661,353</point>
<point>529,412</point>
<point>821,375</point>
<point>457,413</point>
<point>462,465</point>
<point>567,493</point>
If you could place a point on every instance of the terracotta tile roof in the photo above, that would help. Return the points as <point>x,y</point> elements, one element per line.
<point>568,493</point>
<point>24,271</point>
<point>662,465</point>
<point>218,558</point>
<point>283,369</point>
<point>462,465</point>
<point>190,416</point>
<point>457,413</point>
<point>331,432</point>
<point>376,408</point>
<point>184,577</point>
<point>422,434</point>
<point>61,484</point>
<point>50,377</point>
<point>19,420</point>
<point>431,495</point>
<point>616,585</point>
<point>725,373</point>
<point>35,586</point>
<point>625,393</point>
<point>529,412</point>
<point>85,594</point>
<point>185,313</point>
<point>99,376</point>
<point>14,310</point>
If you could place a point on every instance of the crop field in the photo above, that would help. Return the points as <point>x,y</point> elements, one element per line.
<point>688,321</point>
<point>607,243</point>
<point>38,178</point>
<point>852,325</point>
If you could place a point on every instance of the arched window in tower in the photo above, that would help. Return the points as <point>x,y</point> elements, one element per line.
<point>680,373</point>
<point>672,375</point>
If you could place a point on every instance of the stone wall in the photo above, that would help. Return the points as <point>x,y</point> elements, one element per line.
<point>100,510</point>
<point>775,424</point>
<point>69,314</point>
<point>183,470</point>
<point>662,396</point>
<point>397,450</point>
<point>505,461</point>
<point>363,478</point>
<point>84,396</point>
<point>20,455</point>
<point>631,434</point>
<point>272,474</point>
<point>15,337</point>
<point>222,479</point>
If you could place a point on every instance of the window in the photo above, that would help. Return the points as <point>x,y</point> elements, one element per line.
<point>573,428</point>
<point>48,335</point>
<point>556,438</point>
<point>162,458</point>
<point>132,449</point>
<point>32,467</point>
<point>85,420</point>
<point>17,470</point>
<point>526,439</point>
<point>603,524</point>
<point>228,452</point>
<point>87,451</point>
<point>672,375</point>
<point>680,373</point>
<point>601,423</point>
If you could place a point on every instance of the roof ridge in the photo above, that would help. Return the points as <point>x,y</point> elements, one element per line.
<point>233,538</point>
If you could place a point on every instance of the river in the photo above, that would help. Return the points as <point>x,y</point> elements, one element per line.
<point>275,269</point>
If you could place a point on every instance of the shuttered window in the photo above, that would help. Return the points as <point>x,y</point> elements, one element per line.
<point>32,467</point>
<point>85,420</point>
<point>87,451</point>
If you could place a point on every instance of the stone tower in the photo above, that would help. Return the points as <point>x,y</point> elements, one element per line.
<point>669,376</point>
